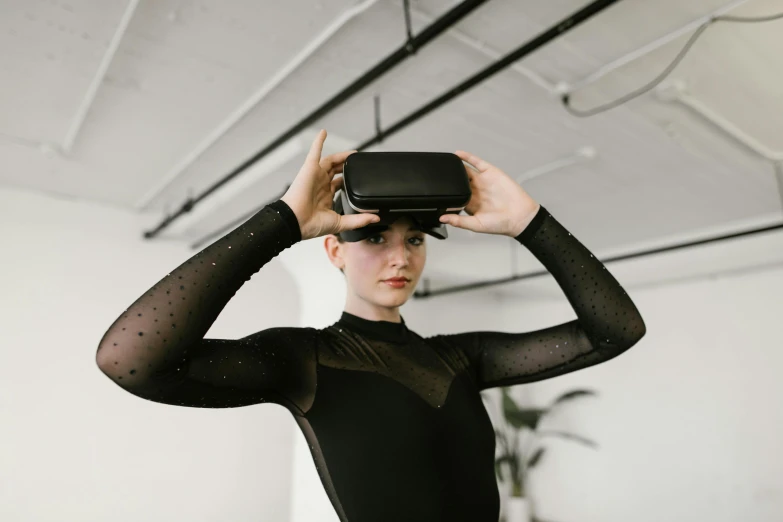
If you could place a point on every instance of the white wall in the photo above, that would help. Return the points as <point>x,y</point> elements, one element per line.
<point>323,300</point>
<point>77,447</point>
<point>689,421</point>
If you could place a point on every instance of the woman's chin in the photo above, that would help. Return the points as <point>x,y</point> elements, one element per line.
<point>393,297</point>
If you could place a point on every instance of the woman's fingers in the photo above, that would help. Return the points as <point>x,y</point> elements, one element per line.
<point>317,147</point>
<point>470,171</point>
<point>334,169</point>
<point>334,163</point>
<point>327,164</point>
<point>340,157</point>
<point>466,222</point>
<point>337,184</point>
<point>474,160</point>
<point>354,221</point>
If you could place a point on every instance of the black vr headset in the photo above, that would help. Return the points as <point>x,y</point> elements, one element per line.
<point>420,185</point>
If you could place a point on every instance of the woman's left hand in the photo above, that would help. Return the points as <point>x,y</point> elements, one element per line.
<point>498,204</point>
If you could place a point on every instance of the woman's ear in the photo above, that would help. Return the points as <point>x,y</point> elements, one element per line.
<point>334,250</point>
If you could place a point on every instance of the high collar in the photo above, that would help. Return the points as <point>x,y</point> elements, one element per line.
<point>379,330</point>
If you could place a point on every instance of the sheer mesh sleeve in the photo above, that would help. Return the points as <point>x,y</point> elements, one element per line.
<point>156,348</point>
<point>607,323</point>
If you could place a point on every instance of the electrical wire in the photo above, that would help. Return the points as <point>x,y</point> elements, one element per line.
<point>582,113</point>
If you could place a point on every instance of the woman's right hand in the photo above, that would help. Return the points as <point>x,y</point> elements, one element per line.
<point>311,194</point>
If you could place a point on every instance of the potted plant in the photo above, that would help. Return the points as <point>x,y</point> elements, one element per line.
<point>516,459</point>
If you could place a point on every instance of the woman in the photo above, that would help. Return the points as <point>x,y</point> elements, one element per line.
<point>395,421</point>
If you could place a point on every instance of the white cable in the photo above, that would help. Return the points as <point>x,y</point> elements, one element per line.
<point>581,155</point>
<point>660,77</point>
<point>676,92</point>
<point>89,98</point>
<point>228,192</point>
<point>239,113</point>
<point>648,48</point>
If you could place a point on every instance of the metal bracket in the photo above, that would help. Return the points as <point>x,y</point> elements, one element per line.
<point>378,131</point>
<point>410,47</point>
<point>426,290</point>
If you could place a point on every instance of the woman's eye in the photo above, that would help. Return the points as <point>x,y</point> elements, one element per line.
<point>375,240</point>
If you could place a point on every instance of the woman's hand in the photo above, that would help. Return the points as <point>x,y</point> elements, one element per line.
<point>311,194</point>
<point>498,204</point>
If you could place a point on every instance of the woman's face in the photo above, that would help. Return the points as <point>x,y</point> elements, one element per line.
<point>399,251</point>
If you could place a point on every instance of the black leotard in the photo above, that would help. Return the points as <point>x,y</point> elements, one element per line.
<point>395,421</point>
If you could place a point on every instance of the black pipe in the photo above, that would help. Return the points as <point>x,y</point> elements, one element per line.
<point>547,36</point>
<point>216,234</point>
<point>432,31</point>
<point>561,27</point>
<point>492,282</point>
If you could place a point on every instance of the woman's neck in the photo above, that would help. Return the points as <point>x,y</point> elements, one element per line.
<point>371,312</point>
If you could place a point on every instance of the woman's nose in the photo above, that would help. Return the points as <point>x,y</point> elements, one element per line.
<point>399,253</point>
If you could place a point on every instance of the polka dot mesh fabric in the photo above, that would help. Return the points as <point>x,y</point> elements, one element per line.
<point>382,408</point>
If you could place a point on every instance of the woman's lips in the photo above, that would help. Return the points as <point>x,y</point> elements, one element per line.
<point>396,283</point>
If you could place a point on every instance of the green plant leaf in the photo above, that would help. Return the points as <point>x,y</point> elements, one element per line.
<point>508,403</point>
<point>524,418</point>
<point>504,458</point>
<point>502,439</point>
<point>569,436</point>
<point>536,457</point>
<point>520,417</point>
<point>509,459</point>
<point>574,394</point>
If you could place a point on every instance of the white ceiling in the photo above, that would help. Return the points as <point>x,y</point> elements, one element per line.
<point>183,68</point>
